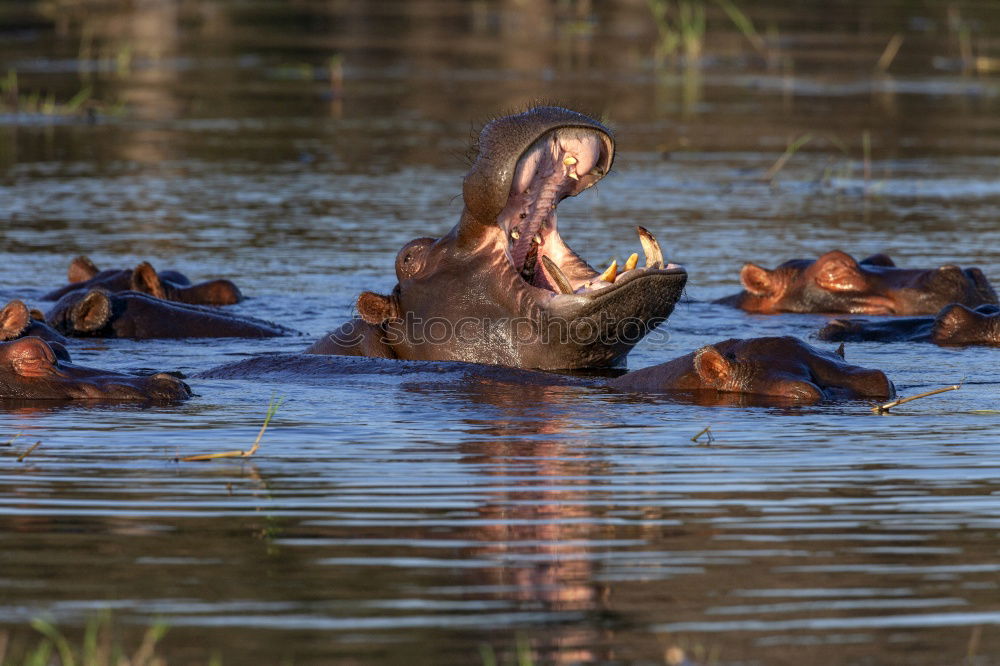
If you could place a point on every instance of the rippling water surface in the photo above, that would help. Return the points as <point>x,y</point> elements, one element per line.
<point>427,519</point>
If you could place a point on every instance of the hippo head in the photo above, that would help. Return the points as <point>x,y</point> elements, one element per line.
<point>786,367</point>
<point>836,283</point>
<point>502,286</point>
<point>145,279</point>
<point>31,370</point>
<point>84,274</point>
<point>959,325</point>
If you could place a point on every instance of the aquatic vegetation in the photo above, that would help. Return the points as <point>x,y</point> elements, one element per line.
<point>272,409</point>
<point>681,28</point>
<point>37,102</point>
<point>99,646</point>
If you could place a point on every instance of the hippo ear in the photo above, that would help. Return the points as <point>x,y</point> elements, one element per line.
<point>713,368</point>
<point>840,352</point>
<point>81,269</point>
<point>145,279</point>
<point>92,313</point>
<point>376,309</point>
<point>837,271</point>
<point>879,259</point>
<point>14,320</point>
<point>756,280</point>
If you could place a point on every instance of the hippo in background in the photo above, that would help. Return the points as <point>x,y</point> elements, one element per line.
<point>31,370</point>
<point>955,325</point>
<point>17,321</point>
<point>776,370</point>
<point>502,287</point>
<point>84,275</point>
<point>130,314</point>
<point>836,283</point>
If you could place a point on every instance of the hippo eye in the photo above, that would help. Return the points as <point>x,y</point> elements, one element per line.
<point>406,259</point>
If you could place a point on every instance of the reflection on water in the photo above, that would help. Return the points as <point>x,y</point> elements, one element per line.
<point>295,148</point>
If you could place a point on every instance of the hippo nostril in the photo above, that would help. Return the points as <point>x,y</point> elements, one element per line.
<point>169,382</point>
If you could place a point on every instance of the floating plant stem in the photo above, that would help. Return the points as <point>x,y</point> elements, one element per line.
<point>27,453</point>
<point>889,54</point>
<point>272,408</point>
<point>884,408</point>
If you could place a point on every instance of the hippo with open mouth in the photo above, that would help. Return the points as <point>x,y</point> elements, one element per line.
<point>502,287</point>
<point>837,283</point>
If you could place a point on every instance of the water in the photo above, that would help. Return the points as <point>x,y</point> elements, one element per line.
<point>418,519</point>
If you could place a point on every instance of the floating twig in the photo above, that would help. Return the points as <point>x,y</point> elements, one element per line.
<point>13,439</point>
<point>882,409</point>
<point>271,409</point>
<point>707,430</point>
<point>27,453</point>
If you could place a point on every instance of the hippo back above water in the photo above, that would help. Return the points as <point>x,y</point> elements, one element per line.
<point>955,326</point>
<point>836,283</point>
<point>776,370</point>
<point>130,314</point>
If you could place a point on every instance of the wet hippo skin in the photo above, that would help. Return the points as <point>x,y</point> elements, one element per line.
<point>30,370</point>
<point>502,287</point>
<point>84,275</point>
<point>836,283</point>
<point>130,314</point>
<point>955,325</point>
<point>783,368</point>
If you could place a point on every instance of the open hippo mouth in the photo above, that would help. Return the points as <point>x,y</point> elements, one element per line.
<point>560,164</point>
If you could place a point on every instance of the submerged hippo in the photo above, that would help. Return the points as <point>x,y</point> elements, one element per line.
<point>169,285</point>
<point>837,283</point>
<point>502,287</point>
<point>955,325</point>
<point>783,369</point>
<point>30,370</point>
<point>780,367</point>
<point>130,314</point>
<point>17,321</point>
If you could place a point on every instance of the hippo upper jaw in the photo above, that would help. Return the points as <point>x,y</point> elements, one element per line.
<point>545,275</point>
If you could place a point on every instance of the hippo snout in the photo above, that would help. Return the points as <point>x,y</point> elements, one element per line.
<point>167,386</point>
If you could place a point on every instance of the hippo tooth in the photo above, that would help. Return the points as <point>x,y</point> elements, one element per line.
<point>610,274</point>
<point>515,234</point>
<point>562,282</point>
<point>654,256</point>
<point>632,261</point>
<point>538,239</point>
<point>570,162</point>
